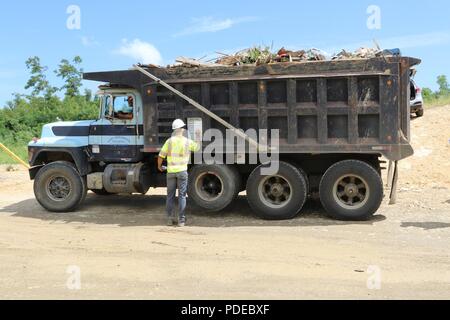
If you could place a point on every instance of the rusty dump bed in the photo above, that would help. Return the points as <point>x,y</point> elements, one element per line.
<point>345,106</point>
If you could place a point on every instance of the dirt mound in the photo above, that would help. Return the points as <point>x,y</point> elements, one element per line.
<point>430,165</point>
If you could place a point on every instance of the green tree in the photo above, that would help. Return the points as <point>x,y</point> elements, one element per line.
<point>444,89</point>
<point>88,94</point>
<point>38,81</point>
<point>23,117</point>
<point>71,73</point>
<point>427,94</point>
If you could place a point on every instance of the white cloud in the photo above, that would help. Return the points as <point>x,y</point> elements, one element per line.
<point>210,24</point>
<point>89,41</point>
<point>140,51</point>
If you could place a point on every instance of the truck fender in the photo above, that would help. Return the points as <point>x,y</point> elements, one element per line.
<point>47,155</point>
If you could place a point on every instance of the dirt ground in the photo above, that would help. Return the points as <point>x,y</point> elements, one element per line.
<point>121,248</point>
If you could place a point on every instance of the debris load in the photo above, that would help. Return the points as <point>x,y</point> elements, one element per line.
<point>361,53</point>
<point>255,55</point>
<point>258,56</point>
<point>264,55</point>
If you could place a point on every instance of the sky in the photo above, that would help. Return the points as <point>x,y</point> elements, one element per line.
<point>113,35</point>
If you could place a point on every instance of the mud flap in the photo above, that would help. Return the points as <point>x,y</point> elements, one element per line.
<point>389,174</point>
<point>393,181</point>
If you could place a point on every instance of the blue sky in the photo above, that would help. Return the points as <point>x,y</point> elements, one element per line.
<point>116,34</point>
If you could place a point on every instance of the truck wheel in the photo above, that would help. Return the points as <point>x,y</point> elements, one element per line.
<point>419,113</point>
<point>351,190</point>
<point>305,175</point>
<point>58,187</point>
<point>102,192</point>
<point>213,187</point>
<point>280,196</point>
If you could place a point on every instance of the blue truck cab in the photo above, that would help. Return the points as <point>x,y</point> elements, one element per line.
<point>84,151</point>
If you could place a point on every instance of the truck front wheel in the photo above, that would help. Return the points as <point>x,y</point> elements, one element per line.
<point>351,190</point>
<point>58,187</point>
<point>279,196</point>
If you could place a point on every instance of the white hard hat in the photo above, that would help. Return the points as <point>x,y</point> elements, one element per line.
<point>178,124</point>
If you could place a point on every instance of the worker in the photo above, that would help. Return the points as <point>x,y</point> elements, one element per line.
<point>177,150</point>
<point>126,113</point>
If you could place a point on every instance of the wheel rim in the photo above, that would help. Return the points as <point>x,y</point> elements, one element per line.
<point>275,191</point>
<point>58,188</point>
<point>209,186</point>
<point>351,192</point>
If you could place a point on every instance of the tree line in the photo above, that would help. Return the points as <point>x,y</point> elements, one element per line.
<point>23,116</point>
<point>439,97</point>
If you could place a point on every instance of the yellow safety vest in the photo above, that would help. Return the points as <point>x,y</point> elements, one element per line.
<point>177,150</point>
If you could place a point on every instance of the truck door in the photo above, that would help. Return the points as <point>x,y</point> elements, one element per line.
<point>115,136</point>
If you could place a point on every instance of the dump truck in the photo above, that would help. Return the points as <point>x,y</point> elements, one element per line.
<point>338,122</point>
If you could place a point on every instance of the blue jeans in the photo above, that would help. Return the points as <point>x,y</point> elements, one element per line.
<point>177,180</point>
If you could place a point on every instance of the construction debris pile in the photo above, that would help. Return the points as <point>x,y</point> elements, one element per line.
<point>259,56</point>
<point>361,53</point>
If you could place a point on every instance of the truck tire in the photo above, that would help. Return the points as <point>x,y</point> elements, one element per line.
<point>419,113</point>
<point>280,196</point>
<point>213,187</point>
<point>102,192</point>
<point>58,187</point>
<point>305,175</point>
<point>351,190</point>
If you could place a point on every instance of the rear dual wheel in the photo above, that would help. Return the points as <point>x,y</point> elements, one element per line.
<point>351,190</point>
<point>277,196</point>
<point>214,187</point>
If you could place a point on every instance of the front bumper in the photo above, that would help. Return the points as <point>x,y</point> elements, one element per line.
<point>416,107</point>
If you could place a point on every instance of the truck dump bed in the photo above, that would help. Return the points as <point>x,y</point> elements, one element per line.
<point>343,106</point>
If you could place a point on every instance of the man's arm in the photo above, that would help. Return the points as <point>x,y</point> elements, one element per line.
<point>163,155</point>
<point>124,116</point>
<point>193,146</point>
<point>160,163</point>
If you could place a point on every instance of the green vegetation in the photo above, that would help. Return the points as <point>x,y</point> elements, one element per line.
<point>23,117</point>
<point>441,97</point>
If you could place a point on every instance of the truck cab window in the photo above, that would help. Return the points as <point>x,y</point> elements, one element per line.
<point>123,107</point>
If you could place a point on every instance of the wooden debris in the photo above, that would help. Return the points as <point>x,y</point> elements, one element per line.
<point>361,53</point>
<point>262,55</point>
<point>196,63</point>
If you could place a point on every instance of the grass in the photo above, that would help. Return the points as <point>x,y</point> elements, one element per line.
<point>20,150</point>
<point>437,102</point>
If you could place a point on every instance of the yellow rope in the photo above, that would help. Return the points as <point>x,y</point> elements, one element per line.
<point>13,156</point>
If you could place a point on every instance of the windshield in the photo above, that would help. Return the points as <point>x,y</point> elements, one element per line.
<point>119,107</point>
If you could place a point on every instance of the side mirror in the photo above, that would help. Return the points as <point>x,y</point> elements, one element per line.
<point>109,115</point>
<point>111,110</point>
